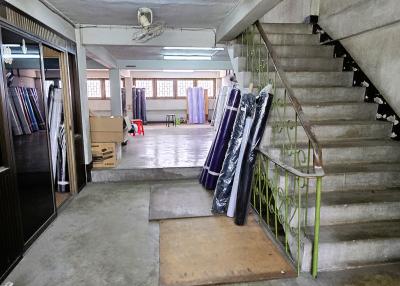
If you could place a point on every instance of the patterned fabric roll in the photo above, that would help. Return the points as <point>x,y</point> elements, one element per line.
<point>225,179</point>
<point>263,106</point>
<point>19,107</point>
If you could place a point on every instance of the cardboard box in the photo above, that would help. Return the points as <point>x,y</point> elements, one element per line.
<point>107,129</point>
<point>105,155</point>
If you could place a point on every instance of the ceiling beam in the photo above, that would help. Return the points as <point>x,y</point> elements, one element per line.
<point>102,56</point>
<point>245,14</point>
<point>36,9</point>
<point>173,65</point>
<point>122,35</point>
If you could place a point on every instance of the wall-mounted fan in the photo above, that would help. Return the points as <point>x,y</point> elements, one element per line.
<point>148,29</point>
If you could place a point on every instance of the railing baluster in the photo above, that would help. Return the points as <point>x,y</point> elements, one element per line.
<point>298,224</point>
<point>316,227</point>
<point>286,210</point>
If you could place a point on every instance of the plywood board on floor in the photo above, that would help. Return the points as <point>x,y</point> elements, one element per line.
<point>179,199</point>
<point>213,250</point>
<point>61,198</point>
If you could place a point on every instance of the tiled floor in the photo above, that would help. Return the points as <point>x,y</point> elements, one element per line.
<point>165,147</point>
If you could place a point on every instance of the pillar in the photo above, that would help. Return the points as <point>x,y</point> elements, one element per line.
<point>128,88</point>
<point>81,62</point>
<point>115,92</point>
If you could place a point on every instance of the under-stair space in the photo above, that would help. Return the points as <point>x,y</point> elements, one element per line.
<point>360,206</point>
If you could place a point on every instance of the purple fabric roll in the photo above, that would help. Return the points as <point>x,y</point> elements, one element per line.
<point>216,155</point>
<point>195,97</point>
<point>200,106</point>
<point>190,102</point>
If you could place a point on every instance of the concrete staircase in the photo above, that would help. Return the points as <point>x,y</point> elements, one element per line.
<point>360,213</point>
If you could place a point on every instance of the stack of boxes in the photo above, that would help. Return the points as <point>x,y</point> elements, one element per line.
<point>107,134</point>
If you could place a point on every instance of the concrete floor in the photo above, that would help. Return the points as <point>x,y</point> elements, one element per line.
<point>103,237</point>
<point>165,147</point>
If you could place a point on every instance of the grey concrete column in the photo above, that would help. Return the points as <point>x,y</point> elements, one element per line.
<point>81,62</point>
<point>115,91</point>
<point>128,88</point>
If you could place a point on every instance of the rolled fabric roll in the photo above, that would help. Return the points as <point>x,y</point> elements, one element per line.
<point>225,180</point>
<point>236,178</point>
<point>217,153</point>
<point>263,107</point>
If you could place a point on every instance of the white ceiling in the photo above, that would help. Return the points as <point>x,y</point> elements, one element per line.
<point>156,53</point>
<point>174,13</point>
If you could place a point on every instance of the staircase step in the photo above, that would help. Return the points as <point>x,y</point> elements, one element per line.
<point>290,39</point>
<point>363,176</point>
<point>330,111</point>
<point>287,28</point>
<point>332,130</point>
<point>358,151</point>
<point>302,79</point>
<point>297,64</point>
<point>282,51</point>
<point>329,94</point>
<point>351,245</point>
<point>144,174</point>
<point>355,206</point>
<point>351,151</point>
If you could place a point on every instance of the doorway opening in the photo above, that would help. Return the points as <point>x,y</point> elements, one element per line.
<point>53,89</point>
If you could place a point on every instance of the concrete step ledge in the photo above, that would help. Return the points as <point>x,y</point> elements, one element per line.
<point>354,206</point>
<point>286,51</point>
<point>326,94</point>
<point>297,64</point>
<point>301,79</point>
<point>362,176</point>
<point>287,28</point>
<point>147,174</point>
<point>330,111</point>
<point>352,245</point>
<point>332,130</point>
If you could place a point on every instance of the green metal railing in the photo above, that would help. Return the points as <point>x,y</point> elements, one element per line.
<point>289,170</point>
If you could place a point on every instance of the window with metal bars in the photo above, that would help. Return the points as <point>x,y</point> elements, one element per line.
<point>208,85</point>
<point>147,84</point>
<point>165,88</point>
<point>174,88</point>
<point>182,85</point>
<point>94,88</point>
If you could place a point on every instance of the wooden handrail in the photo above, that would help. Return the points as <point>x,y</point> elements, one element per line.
<point>317,152</point>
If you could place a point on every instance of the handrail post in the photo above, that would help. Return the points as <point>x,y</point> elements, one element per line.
<point>316,227</point>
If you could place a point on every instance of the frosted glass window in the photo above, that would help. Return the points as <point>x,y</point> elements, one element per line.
<point>107,85</point>
<point>147,84</point>
<point>182,86</point>
<point>165,88</point>
<point>208,85</point>
<point>93,88</point>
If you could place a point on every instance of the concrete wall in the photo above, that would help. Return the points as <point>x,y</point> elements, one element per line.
<point>289,11</point>
<point>369,30</point>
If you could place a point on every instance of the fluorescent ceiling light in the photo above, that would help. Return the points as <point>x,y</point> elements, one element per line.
<point>178,70</point>
<point>188,58</point>
<point>194,48</point>
<point>12,45</point>
<point>21,56</point>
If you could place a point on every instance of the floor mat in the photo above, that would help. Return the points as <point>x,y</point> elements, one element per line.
<point>213,250</point>
<point>179,200</point>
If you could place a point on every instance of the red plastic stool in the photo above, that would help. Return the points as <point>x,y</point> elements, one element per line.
<point>139,124</point>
